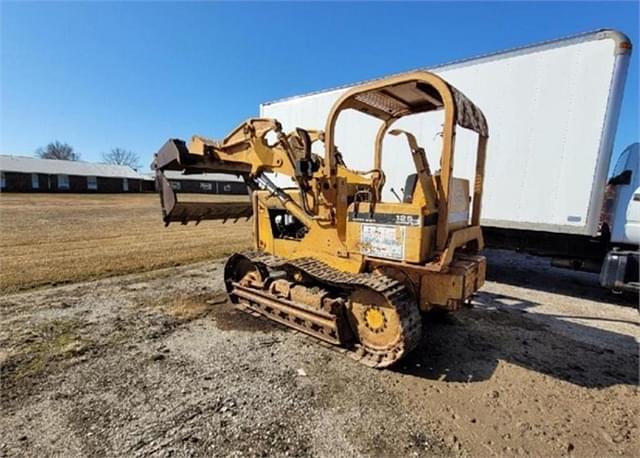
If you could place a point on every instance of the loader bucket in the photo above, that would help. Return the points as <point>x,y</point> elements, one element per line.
<point>183,212</point>
<point>174,155</point>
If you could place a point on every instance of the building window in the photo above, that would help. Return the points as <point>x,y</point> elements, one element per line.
<point>125,184</point>
<point>35,181</point>
<point>175,185</point>
<point>63,181</point>
<point>92,183</point>
<point>206,186</point>
<point>3,181</point>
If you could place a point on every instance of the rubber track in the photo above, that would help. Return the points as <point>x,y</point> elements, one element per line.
<point>394,292</point>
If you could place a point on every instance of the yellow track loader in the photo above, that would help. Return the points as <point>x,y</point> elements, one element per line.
<point>330,258</point>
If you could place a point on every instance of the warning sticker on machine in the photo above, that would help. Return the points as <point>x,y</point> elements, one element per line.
<point>382,241</point>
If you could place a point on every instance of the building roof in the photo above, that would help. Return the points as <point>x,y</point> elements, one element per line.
<point>24,164</point>
<point>176,175</point>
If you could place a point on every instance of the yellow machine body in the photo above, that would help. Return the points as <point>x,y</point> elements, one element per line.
<point>398,239</point>
<point>328,251</point>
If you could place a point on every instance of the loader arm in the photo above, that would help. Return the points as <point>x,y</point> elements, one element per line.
<point>245,152</point>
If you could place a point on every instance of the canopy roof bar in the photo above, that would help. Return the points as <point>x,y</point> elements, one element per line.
<point>411,93</point>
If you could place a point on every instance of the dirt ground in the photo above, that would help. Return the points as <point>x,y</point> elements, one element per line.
<point>158,363</point>
<point>50,239</point>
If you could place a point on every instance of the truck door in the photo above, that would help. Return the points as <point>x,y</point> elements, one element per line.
<point>624,183</point>
<point>632,224</point>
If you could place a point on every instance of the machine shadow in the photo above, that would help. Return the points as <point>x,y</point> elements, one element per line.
<point>468,346</point>
<point>519,269</point>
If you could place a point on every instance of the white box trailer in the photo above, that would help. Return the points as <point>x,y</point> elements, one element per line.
<point>552,110</point>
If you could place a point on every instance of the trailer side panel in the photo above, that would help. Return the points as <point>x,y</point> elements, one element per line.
<point>552,112</point>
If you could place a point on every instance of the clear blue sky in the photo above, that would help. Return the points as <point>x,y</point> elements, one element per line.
<point>101,75</point>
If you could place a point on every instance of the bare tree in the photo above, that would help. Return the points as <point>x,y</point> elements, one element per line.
<point>58,150</point>
<point>120,156</point>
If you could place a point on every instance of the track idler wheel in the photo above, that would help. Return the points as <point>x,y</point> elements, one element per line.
<point>239,268</point>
